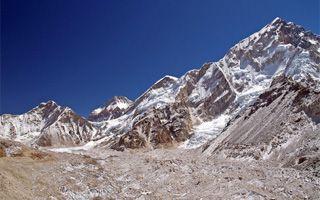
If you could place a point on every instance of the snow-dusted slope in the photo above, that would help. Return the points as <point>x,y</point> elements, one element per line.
<point>282,126</point>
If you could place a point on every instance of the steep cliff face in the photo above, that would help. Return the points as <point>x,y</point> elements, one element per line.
<point>278,48</point>
<point>164,126</point>
<point>194,108</point>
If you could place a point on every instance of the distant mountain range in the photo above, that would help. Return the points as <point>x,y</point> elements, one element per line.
<point>262,99</point>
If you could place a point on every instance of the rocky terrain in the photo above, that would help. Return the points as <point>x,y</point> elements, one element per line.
<point>245,127</point>
<point>150,174</point>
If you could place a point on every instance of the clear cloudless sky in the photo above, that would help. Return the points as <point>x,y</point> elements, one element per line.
<point>80,53</point>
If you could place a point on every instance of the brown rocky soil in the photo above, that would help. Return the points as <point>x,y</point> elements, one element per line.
<point>156,174</point>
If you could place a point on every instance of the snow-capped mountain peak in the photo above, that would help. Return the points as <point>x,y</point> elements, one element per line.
<point>274,50</point>
<point>114,108</point>
<point>48,124</point>
<point>120,102</point>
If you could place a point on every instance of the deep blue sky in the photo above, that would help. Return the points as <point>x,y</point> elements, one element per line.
<point>81,53</point>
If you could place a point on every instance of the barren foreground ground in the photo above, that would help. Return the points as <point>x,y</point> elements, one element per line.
<point>157,174</point>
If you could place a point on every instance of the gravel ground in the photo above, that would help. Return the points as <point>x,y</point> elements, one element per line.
<point>154,174</point>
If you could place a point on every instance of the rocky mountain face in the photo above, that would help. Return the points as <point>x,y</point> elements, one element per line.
<point>163,126</point>
<point>218,92</point>
<point>282,126</point>
<point>258,76</point>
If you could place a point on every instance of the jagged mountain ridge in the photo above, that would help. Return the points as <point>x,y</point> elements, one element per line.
<point>197,106</point>
<point>220,91</point>
<point>47,125</point>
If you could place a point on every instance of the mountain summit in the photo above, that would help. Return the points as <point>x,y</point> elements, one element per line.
<point>114,108</point>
